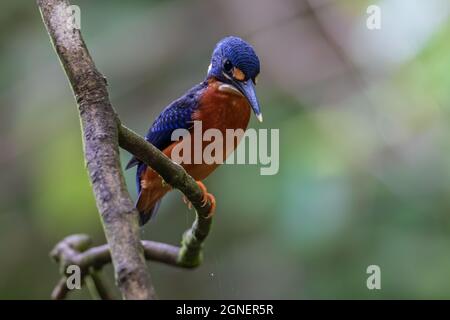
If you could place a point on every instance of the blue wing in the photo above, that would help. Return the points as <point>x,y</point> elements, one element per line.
<point>177,115</point>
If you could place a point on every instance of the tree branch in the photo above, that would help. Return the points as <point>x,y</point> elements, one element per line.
<point>102,134</point>
<point>190,254</point>
<point>101,151</point>
<point>101,290</point>
<point>75,250</point>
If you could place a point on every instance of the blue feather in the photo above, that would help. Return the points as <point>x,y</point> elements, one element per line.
<point>240,53</point>
<point>177,115</point>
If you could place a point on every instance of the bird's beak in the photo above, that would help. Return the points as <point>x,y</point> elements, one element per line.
<point>247,88</point>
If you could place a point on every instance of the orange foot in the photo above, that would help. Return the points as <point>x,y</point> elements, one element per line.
<point>206,197</point>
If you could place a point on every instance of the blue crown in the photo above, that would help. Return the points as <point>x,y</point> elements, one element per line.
<point>239,53</point>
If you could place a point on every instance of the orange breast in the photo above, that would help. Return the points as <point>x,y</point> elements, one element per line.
<point>222,109</point>
<point>219,109</point>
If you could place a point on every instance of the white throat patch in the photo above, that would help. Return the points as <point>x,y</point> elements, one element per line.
<point>230,89</point>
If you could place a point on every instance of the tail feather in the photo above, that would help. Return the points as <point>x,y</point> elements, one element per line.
<point>149,198</point>
<point>146,206</point>
<point>146,215</point>
<point>133,162</point>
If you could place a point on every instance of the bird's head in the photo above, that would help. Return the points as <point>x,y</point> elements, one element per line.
<point>235,63</point>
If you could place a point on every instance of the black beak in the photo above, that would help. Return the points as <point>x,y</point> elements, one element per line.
<point>247,88</point>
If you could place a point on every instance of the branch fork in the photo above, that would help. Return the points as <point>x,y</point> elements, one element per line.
<point>103,133</point>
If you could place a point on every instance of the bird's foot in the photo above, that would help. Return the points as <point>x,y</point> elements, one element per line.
<point>212,200</point>
<point>186,201</point>
<point>206,197</point>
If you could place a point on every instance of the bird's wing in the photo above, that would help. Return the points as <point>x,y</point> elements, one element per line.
<point>177,115</point>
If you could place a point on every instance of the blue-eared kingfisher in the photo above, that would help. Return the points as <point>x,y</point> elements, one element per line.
<point>222,101</point>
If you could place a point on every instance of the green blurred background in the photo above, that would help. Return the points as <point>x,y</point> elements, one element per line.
<point>364,123</point>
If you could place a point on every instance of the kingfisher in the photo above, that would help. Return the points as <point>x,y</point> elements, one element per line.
<point>223,100</point>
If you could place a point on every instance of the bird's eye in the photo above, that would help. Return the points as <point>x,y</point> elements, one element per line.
<point>227,66</point>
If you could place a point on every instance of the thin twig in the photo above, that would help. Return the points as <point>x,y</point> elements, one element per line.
<point>61,290</point>
<point>74,250</point>
<point>101,289</point>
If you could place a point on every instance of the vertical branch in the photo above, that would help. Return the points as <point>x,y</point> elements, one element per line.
<point>100,138</point>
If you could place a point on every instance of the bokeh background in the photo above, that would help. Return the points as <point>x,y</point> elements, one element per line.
<point>364,145</point>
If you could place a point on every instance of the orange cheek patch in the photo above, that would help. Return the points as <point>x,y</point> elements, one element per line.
<point>238,74</point>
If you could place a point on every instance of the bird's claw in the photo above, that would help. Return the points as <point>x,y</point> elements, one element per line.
<point>186,201</point>
<point>212,200</point>
<point>207,197</point>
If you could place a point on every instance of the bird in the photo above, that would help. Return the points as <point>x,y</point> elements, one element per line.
<point>223,100</point>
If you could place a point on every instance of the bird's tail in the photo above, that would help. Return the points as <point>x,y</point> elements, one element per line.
<point>146,211</point>
<point>145,205</point>
<point>133,162</point>
<point>149,197</point>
